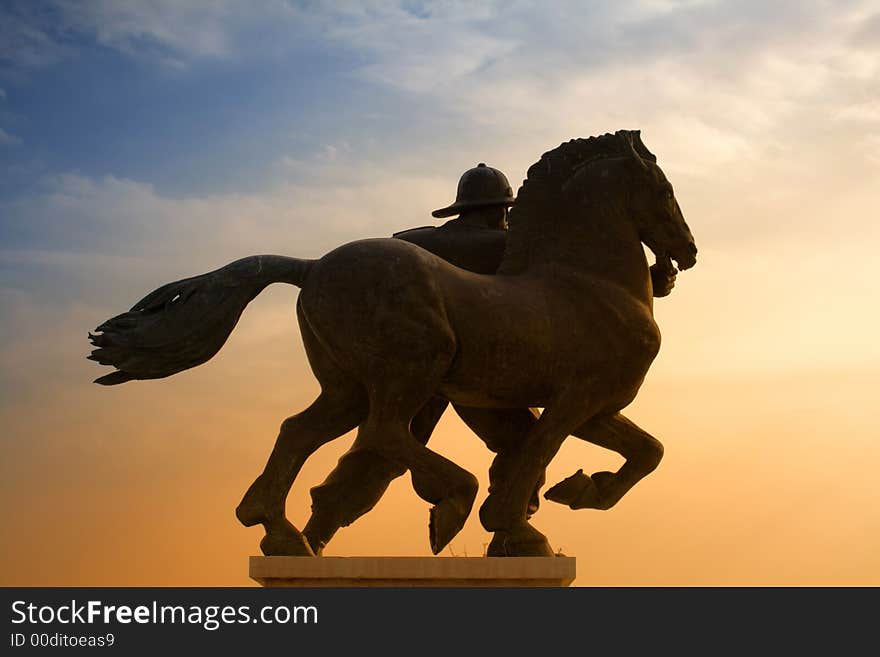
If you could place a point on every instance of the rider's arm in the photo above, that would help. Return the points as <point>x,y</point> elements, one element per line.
<point>663,274</point>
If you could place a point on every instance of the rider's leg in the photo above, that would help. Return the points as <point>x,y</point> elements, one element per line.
<point>504,431</point>
<point>359,481</point>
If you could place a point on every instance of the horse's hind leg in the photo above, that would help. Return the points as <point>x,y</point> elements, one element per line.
<point>330,415</point>
<point>358,482</point>
<point>398,344</point>
<point>401,383</point>
<point>437,480</point>
<point>339,408</point>
<point>602,490</point>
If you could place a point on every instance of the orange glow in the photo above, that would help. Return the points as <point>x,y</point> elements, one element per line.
<point>767,479</point>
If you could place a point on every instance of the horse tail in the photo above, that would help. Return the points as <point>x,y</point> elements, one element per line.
<point>184,323</point>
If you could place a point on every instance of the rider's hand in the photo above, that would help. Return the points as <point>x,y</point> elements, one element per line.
<point>663,275</point>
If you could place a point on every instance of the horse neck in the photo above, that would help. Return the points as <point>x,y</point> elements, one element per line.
<point>600,242</point>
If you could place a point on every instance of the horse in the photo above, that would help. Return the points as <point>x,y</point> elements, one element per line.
<point>565,325</point>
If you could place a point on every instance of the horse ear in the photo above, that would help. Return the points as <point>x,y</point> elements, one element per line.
<point>628,137</point>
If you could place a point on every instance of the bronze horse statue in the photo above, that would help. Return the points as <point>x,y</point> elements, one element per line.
<point>565,325</point>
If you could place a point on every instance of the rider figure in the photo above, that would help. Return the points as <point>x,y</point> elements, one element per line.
<point>475,240</point>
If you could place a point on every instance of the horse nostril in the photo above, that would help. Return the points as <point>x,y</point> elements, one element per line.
<point>692,248</point>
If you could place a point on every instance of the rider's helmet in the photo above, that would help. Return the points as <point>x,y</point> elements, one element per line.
<point>479,187</point>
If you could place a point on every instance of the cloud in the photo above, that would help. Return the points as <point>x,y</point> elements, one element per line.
<point>177,33</point>
<point>81,249</point>
<point>735,85</point>
<point>743,73</point>
<point>6,138</point>
<point>41,33</point>
<point>27,39</point>
<point>725,92</point>
<point>421,50</point>
<point>867,112</point>
<point>77,221</point>
<point>190,29</point>
<point>424,46</point>
<point>750,107</point>
<point>868,32</point>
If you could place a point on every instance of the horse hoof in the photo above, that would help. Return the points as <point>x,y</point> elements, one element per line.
<point>579,491</point>
<point>525,542</point>
<point>496,546</point>
<point>248,516</point>
<point>607,488</point>
<point>287,543</point>
<point>446,520</point>
<point>250,511</point>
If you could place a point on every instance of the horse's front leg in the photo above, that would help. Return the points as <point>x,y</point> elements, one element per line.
<point>516,473</point>
<point>602,490</point>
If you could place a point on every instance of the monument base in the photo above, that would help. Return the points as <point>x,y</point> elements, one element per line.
<point>412,571</point>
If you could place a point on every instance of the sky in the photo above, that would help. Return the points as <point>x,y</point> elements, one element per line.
<point>143,142</point>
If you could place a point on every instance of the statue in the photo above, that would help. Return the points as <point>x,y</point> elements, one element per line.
<point>566,324</point>
<point>475,240</point>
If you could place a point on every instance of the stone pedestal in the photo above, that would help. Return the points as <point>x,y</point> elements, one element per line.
<point>413,571</point>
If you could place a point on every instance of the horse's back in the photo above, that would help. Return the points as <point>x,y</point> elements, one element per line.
<point>377,299</point>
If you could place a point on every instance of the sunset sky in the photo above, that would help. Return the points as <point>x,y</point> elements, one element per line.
<point>142,142</point>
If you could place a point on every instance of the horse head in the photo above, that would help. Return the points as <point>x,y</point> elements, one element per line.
<point>653,206</point>
<point>573,196</point>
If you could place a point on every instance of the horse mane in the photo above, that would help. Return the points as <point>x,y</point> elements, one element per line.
<point>544,185</point>
<point>556,166</point>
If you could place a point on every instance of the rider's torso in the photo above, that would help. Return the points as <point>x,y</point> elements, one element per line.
<point>474,248</point>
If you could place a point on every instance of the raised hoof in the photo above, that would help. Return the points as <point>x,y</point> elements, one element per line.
<point>446,520</point>
<point>579,491</point>
<point>287,543</point>
<point>523,542</point>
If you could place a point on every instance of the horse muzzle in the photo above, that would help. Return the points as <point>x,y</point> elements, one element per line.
<point>686,257</point>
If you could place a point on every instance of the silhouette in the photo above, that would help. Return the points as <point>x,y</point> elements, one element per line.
<point>566,325</point>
